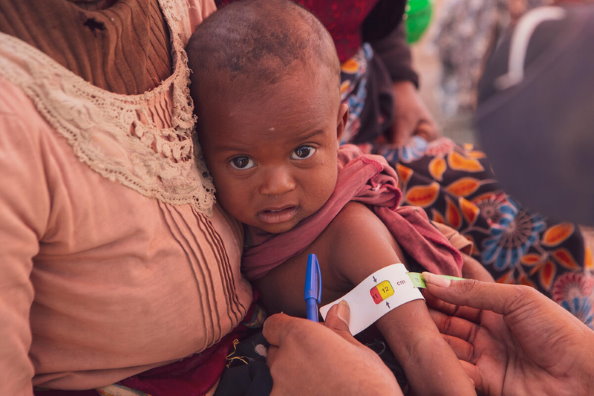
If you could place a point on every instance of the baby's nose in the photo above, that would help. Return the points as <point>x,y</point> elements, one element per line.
<point>277,180</point>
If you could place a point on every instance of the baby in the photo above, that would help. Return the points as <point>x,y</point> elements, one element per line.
<point>266,86</point>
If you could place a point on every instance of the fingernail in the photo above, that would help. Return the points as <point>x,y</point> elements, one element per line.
<point>343,312</point>
<point>436,280</point>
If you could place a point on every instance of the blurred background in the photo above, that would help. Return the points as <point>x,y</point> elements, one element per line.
<point>450,54</point>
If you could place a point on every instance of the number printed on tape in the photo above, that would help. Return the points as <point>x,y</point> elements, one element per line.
<point>382,291</point>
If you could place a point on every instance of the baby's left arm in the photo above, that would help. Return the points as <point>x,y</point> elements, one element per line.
<point>355,245</point>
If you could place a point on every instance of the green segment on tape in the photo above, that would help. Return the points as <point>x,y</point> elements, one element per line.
<point>418,281</point>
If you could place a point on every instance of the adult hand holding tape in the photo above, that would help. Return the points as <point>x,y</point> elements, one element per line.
<point>512,339</point>
<point>310,358</point>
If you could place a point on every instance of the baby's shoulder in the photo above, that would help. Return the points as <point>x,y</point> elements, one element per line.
<point>358,242</point>
<point>355,214</point>
<point>357,224</point>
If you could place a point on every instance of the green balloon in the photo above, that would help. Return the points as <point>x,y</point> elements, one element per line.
<point>417,17</point>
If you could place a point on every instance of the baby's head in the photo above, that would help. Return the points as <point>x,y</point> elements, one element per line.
<point>265,82</point>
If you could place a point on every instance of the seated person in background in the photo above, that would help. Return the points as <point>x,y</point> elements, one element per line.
<point>270,130</point>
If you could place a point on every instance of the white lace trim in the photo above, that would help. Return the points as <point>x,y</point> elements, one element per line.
<point>141,141</point>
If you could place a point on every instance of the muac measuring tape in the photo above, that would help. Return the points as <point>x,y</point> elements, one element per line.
<point>379,293</point>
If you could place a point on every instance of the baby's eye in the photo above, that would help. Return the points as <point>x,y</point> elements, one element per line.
<point>303,152</point>
<point>242,162</point>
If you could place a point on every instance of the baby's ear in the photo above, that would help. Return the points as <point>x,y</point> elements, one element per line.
<point>343,115</point>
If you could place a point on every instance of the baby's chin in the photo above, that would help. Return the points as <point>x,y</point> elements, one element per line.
<point>274,228</point>
<point>277,228</point>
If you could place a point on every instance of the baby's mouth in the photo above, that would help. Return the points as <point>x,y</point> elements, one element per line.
<point>277,215</point>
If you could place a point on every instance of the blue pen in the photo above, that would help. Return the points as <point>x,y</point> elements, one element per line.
<point>313,287</point>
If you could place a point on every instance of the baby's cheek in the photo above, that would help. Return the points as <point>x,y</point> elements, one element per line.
<point>325,190</point>
<point>331,180</point>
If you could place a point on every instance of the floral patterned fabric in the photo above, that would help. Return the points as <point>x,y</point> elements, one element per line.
<point>353,89</point>
<point>456,186</point>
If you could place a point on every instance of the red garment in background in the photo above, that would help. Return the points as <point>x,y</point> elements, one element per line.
<point>342,18</point>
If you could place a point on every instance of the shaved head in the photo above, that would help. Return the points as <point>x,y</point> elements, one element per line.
<point>259,42</point>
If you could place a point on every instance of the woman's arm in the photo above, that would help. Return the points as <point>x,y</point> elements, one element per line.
<point>24,210</point>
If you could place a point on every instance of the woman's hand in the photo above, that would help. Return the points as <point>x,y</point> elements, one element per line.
<point>411,116</point>
<point>511,339</point>
<point>308,358</point>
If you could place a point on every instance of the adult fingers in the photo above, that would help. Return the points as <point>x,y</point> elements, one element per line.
<point>495,297</point>
<point>462,349</point>
<point>426,129</point>
<point>271,354</point>
<point>401,132</point>
<point>454,326</point>
<point>474,374</point>
<point>280,326</point>
<point>338,319</point>
<point>277,326</point>
<point>437,304</point>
